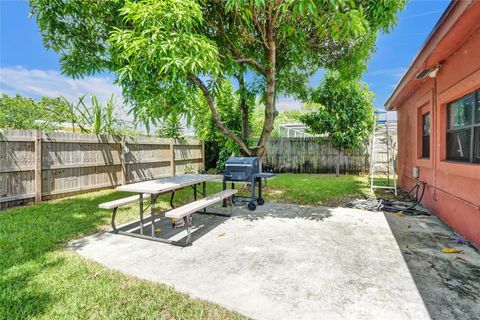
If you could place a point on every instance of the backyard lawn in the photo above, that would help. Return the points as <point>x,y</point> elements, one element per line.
<point>316,189</point>
<point>40,279</point>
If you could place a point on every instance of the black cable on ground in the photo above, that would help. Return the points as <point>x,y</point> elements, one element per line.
<point>396,205</point>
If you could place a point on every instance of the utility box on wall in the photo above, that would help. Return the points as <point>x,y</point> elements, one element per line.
<point>415,172</point>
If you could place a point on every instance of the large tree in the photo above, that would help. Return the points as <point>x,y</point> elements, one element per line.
<point>342,111</point>
<point>163,52</point>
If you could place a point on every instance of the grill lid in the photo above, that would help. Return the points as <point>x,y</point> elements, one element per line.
<point>241,161</point>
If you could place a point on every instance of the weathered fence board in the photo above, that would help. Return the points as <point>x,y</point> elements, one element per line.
<point>35,165</point>
<point>312,155</point>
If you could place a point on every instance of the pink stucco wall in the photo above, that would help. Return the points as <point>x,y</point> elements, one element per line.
<point>453,188</point>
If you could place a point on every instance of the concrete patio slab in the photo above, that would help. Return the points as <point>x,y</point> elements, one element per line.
<point>279,262</point>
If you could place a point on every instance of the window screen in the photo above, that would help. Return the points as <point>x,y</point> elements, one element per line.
<point>426,135</point>
<point>458,145</point>
<point>463,129</point>
<point>476,157</point>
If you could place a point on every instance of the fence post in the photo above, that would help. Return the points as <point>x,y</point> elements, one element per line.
<point>123,164</point>
<point>203,155</point>
<point>38,166</point>
<point>172,157</point>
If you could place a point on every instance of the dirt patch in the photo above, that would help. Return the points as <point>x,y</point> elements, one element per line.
<point>448,283</point>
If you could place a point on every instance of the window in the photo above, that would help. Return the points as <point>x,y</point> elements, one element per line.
<point>463,129</point>
<point>426,135</point>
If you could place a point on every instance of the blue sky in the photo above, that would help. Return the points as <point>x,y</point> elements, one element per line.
<point>26,67</point>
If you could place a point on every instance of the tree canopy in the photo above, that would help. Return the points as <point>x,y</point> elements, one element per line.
<point>164,52</point>
<point>342,111</point>
<point>20,112</point>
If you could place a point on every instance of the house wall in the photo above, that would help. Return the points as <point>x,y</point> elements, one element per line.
<point>453,188</point>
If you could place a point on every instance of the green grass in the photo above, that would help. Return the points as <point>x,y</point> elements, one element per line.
<point>40,279</point>
<point>316,189</point>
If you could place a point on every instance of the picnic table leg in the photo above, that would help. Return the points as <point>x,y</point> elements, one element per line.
<point>114,213</point>
<point>153,199</point>
<point>230,202</point>
<point>171,199</point>
<point>187,224</point>
<point>224,202</point>
<point>195,192</point>
<point>204,190</point>
<point>141,213</point>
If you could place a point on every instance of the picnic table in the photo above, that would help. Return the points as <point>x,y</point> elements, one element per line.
<point>154,188</point>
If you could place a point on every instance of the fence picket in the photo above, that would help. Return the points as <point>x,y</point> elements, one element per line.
<point>313,155</point>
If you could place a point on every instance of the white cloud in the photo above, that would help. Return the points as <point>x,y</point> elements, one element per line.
<point>421,14</point>
<point>393,72</point>
<point>37,83</point>
<point>287,104</point>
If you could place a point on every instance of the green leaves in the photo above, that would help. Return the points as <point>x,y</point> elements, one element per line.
<point>78,30</point>
<point>99,118</point>
<point>25,113</point>
<point>220,147</point>
<point>171,127</point>
<point>156,47</point>
<point>162,41</point>
<point>161,46</point>
<point>343,111</point>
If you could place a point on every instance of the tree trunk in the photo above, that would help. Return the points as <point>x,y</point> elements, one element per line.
<point>337,169</point>
<point>269,92</point>
<point>243,106</point>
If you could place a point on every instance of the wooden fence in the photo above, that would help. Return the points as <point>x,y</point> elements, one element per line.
<point>311,155</point>
<point>39,166</point>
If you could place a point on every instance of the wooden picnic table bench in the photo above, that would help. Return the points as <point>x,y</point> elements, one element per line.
<point>120,202</point>
<point>194,207</point>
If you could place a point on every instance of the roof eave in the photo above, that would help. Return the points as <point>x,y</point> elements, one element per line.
<point>390,103</point>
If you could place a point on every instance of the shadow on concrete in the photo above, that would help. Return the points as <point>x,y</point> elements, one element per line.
<point>282,211</point>
<point>201,225</point>
<point>448,283</point>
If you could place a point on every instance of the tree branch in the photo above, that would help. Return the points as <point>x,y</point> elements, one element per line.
<point>216,118</point>
<point>253,63</point>
<point>248,61</point>
<point>275,16</point>
<point>260,29</point>
<point>237,55</point>
<point>243,104</point>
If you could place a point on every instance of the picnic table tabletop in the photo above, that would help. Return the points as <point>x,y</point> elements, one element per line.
<point>168,184</point>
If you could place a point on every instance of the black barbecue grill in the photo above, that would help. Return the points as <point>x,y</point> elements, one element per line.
<point>246,170</point>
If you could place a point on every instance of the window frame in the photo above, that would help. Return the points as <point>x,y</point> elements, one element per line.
<point>424,116</point>
<point>472,127</point>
